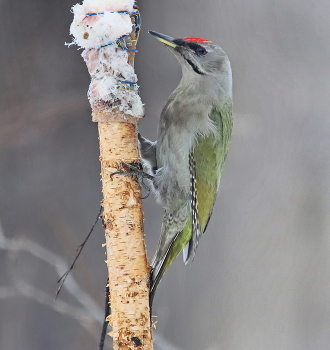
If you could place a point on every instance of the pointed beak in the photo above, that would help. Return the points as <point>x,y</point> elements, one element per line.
<point>169,41</point>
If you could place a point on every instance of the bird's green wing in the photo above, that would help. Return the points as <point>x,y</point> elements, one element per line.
<point>209,154</point>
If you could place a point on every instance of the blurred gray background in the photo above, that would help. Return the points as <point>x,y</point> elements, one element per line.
<point>261,277</point>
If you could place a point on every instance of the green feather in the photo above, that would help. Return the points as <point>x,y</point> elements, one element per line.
<point>210,153</point>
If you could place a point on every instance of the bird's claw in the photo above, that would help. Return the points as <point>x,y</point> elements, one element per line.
<point>135,171</point>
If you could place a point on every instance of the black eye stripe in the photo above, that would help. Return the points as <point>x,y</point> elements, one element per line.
<point>194,46</point>
<point>199,50</point>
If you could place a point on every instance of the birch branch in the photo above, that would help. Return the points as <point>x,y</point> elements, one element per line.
<point>108,30</point>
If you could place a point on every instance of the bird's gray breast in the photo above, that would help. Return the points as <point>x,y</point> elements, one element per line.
<point>182,119</point>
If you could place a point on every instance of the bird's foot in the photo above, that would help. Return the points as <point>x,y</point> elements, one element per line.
<point>135,170</point>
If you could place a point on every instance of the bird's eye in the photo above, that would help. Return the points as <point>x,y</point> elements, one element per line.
<point>200,51</point>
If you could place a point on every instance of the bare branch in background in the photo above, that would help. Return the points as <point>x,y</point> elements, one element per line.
<point>89,315</point>
<point>16,245</point>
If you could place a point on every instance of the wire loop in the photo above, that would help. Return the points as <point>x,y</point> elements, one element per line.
<point>122,41</point>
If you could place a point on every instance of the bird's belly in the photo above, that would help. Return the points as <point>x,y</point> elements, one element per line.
<point>174,186</point>
<point>174,145</point>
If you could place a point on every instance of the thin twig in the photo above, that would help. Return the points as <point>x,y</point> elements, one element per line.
<point>106,314</point>
<point>79,249</point>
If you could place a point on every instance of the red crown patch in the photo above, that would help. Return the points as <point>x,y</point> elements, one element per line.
<point>193,39</point>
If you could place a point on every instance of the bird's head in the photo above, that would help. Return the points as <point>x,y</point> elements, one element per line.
<point>197,55</point>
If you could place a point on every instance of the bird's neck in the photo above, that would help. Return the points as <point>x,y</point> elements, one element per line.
<point>213,89</point>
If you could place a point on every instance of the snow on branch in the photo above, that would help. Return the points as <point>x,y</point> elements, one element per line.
<point>103,29</point>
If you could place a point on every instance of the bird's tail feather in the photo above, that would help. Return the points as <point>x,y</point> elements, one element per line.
<point>159,267</point>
